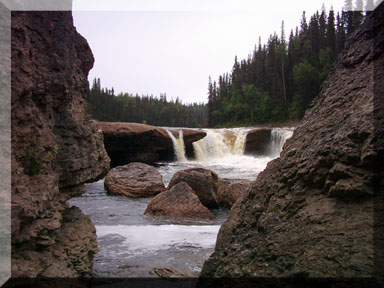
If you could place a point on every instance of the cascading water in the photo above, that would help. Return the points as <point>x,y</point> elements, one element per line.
<point>178,146</point>
<point>278,138</point>
<point>220,143</point>
<point>182,244</point>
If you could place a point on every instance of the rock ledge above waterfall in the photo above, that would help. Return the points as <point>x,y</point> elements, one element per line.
<point>134,142</point>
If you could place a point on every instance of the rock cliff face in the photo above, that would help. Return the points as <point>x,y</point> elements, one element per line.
<point>310,212</point>
<point>134,142</point>
<point>55,146</point>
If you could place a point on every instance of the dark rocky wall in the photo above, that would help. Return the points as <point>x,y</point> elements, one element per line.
<point>311,211</point>
<point>55,146</point>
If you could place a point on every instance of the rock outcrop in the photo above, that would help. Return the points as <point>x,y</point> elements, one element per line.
<point>55,146</point>
<point>258,141</point>
<point>134,180</point>
<point>311,211</point>
<point>231,190</point>
<point>204,183</point>
<point>134,142</point>
<point>179,202</point>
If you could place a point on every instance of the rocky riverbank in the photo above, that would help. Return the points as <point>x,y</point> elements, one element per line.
<point>56,148</point>
<point>310,213</point>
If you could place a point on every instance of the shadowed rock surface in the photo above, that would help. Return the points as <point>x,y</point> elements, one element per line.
<point>134,180</point>
<point>55,146</point>
<point>204,183</point>
<point>310,212</point>
<point>180,201</point>
<point>230,190</point>
<point>134,142</point>
<point>258,141</point>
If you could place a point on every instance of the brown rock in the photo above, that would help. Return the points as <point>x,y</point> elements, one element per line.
<point>311,211</point>
<point>134,180</point>
<point>230,190</point>
<point>133,142</point>
<point>55,145</point>
<point>204,183</point>
<point>258,141</point>
<point>168,272</point>
<point>180,201</point>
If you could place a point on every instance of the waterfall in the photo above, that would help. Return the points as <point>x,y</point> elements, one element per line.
<point>178,146</point>
<point>220,142</point>
<point>278,138</point>
<point>224,142</point>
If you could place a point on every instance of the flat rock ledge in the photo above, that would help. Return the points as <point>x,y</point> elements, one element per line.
<point>134,180</point>
<point>135,142</point>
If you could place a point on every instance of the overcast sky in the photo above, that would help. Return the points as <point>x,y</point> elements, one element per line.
<point>173,46</point>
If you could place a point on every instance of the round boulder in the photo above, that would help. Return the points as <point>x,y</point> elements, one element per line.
<point>230,190</point>
<point>134,180</point>
<point>180,202</point>
<point>204,183</point>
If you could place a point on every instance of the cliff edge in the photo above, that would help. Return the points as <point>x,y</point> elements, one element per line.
<point>56,147</point>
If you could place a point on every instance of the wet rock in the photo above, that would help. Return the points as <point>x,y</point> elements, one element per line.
<point>55,145</point>
<point>230,190</point>
<point>134,180</point>
<point>258,141</point>
<point>168,272</point>
<point>134,142</point>
<point>311,211</point>
<point>180,201</point>
<point>204,183</point>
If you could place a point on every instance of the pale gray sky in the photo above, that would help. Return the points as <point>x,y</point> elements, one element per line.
<point>172,46</point>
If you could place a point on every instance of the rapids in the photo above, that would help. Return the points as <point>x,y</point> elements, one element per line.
<point>132,244</point>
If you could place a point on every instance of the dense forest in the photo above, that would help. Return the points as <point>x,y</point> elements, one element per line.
<point>276,83</point>
<point>104,105</point>
<point>279,80</point>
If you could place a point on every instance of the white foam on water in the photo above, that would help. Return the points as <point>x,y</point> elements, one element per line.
<point>151,238</point>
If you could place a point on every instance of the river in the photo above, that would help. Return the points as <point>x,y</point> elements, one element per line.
<point>133,244</point>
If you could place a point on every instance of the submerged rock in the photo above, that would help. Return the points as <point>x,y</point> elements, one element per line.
<point>180,201</point>
<point>168,272</point>
<point>134,180</point>
<point>204,183</point>
<point>230,190</point>
<point>311,211</point>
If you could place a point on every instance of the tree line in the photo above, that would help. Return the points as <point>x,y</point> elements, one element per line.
<point>279,79</point>
<point>104,105</point>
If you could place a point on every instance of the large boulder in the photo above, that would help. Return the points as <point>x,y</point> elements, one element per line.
<point>134,142</point>
<point>134,180</point>
<point>258,141</point>
<point>230,190</point>
<point>180,201</point>
<point>311,211</point>
<point>204,183</point>
<point>56,147</point>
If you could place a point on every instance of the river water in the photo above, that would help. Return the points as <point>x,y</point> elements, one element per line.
<point>133,244</point>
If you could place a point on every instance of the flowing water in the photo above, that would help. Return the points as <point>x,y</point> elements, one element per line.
<point>132,244</point>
